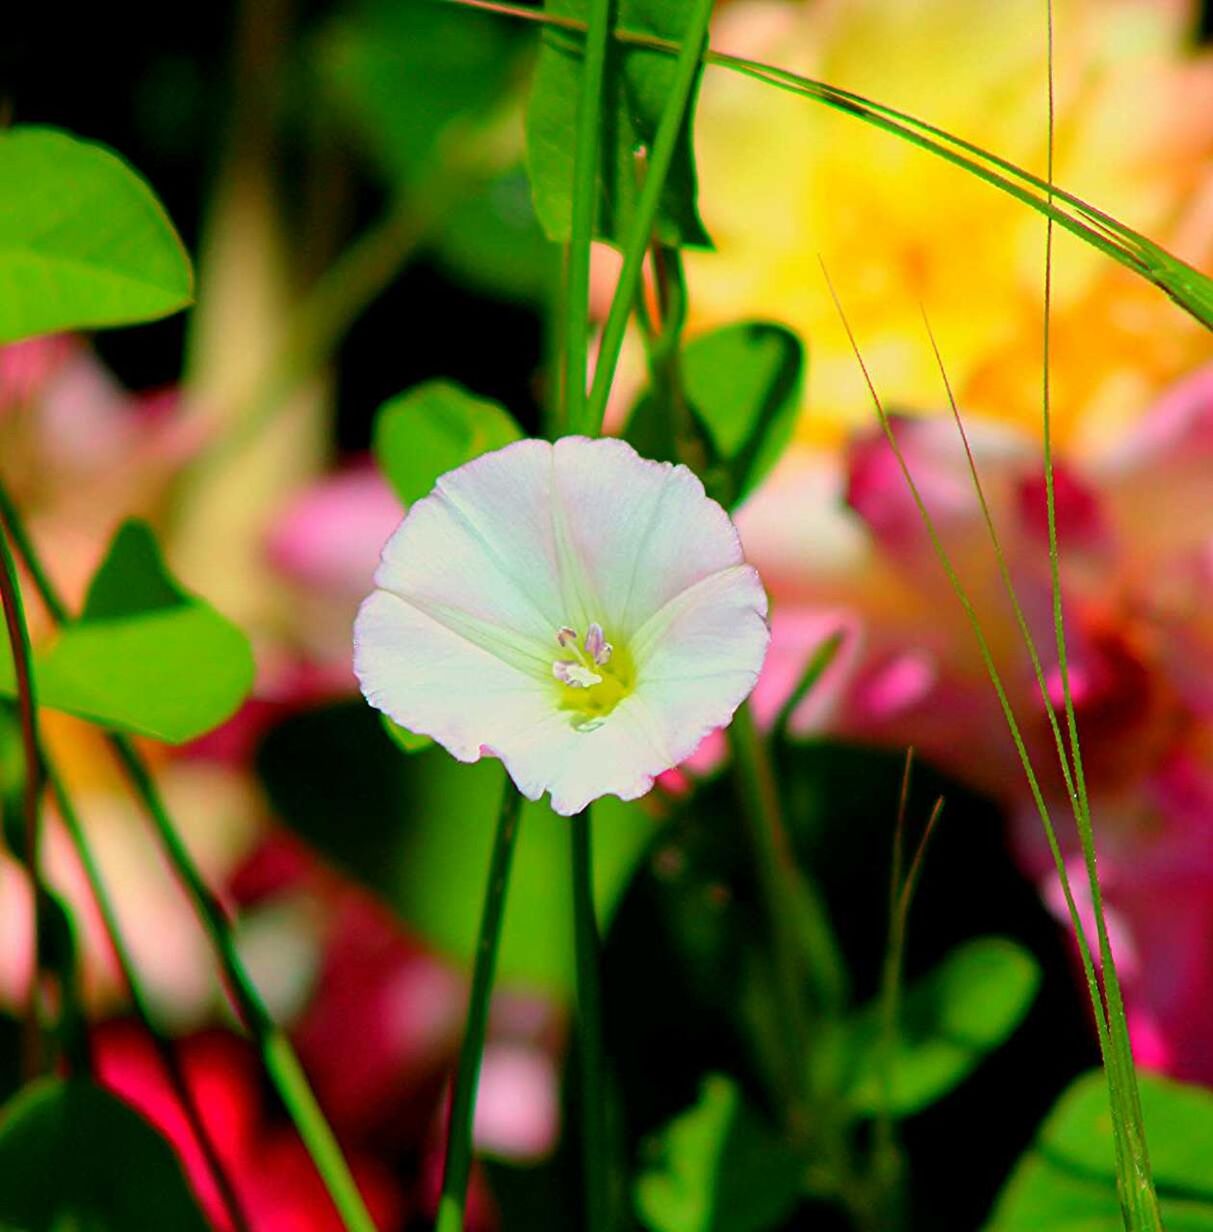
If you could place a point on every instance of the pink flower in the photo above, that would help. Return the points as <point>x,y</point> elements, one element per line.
<point>1136,532</point>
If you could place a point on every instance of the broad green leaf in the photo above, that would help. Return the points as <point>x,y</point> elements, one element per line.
<point>717,1168</point>
<point>418,830</point>
<point>432,429</point>
<point>950,1019</point>
<point>409,742</point>
<point>405,70</point>
<point>74,1156</point>
<point>145,656</point>
<point>490,239</point>
<point>83,240</point>
<point>634,94</point>
<point>1066,1182</point>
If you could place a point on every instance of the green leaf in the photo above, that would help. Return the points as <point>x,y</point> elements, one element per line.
<point>717,1168</point>
<point>405,72</point>
<point>409,742</point>
<point>83,240</point>
<point>1066,1181</point>
<point>490,239</point>
<point>418,831</point>
<point>432,429</point>
<point>145,656</point>
<point>74,1156</point>
<point>635,89</point>
<point>950,1019</point>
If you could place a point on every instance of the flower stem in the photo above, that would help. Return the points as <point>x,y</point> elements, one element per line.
<point>595,1149</point>
<point>673,116</point>
<point>457,1165</point>
<point>585,199</point>
<point>141,1003</point>
<point>27,704</point>
<point>278,1056</point>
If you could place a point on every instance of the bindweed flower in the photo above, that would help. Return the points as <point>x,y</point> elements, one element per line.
<point>579,612</point>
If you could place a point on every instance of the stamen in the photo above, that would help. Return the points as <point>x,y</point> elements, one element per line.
<point>574,674</point>
<point>566,636</point>
<point>596,645</point>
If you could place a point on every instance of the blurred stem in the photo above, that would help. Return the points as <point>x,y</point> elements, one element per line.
<point>278,1056</point>
<point>140,1001</point>
<point>788,901</point>
<point>673,116</point>
<point>595,1148</point>
<point>457,1166</point>
<point>27,704</point>
<point>585,200</point>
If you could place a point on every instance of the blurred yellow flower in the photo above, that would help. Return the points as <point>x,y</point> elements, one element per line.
<point>784,179</point>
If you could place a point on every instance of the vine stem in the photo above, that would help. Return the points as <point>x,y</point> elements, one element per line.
<point>457,1165</point>
<point>595,1147</point>
<point>140,1001</point>
<point>277,1054</point>
<point>27,704</point>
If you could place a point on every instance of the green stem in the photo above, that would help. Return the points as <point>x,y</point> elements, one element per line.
<point>457,1166</point>
<point>595,1145</point>
<point>787,899</point>
<point>1137,1193</point>
<point>585,199</point>
<point>673,116</point>
<point>27,704</point>
<point>141,1002</point>
<point>279,1058</point>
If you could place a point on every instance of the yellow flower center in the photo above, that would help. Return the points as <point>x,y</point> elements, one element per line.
<point>593,676</point>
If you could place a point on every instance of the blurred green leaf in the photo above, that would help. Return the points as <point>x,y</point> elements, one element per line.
<point>490,239</point>
<point>409,742</point>
<point>634,94</point>
<point>962,1009</point>
<point>405,70</point>
<point>744,383</point>
<point>1066,1181</point>
<point>432,429</point>
<point>418,830</point>
<point>717,1168</point>
<point>74,1156</point>
<point>145,656</point>
<point>83,240</point>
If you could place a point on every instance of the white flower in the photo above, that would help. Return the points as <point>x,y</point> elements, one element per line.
<point>579,612</point>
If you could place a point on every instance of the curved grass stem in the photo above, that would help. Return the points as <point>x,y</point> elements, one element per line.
<point>278,1056</point>
<point>27,705</point>
<point>457,1165</point>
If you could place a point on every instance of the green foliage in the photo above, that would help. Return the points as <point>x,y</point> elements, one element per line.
<point>950,1019</point>
<point>74,1156</point>
<point>637,84</point>
<point>402,738</point>
<point>432,429</point>
<point>145,656</point>
<point>407,72</point>
<point>83,241</point>
<point>490,239</point>
<point>418,831</point>
<point>742,386</point>
<point>718,1167</point>
<point>1066,1181</point>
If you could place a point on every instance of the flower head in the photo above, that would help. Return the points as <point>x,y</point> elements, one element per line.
<point>579,612</point>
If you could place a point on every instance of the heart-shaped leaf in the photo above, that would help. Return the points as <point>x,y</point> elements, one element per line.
<point>83,240</point>
<point>145,656</point>
<point>74,1156</point>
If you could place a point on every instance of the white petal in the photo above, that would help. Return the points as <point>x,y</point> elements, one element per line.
<point>432,680</point>
<point>699,657</point>
<point>642,531</point>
